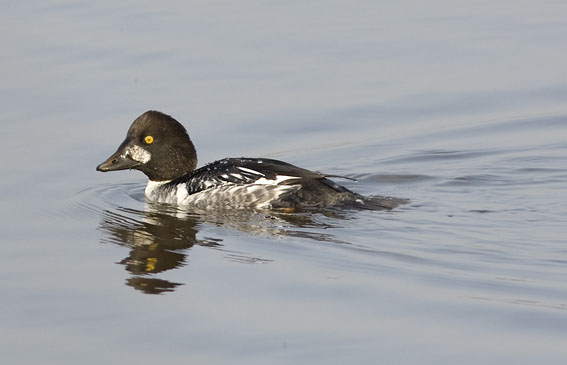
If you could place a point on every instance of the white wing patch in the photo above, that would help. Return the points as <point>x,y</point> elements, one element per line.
<point>278,180</point>
<point>250,171</point>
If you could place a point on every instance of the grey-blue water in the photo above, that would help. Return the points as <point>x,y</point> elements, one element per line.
<point>458,106</point>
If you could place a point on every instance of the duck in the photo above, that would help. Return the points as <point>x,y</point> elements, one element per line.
<point>160,147</point>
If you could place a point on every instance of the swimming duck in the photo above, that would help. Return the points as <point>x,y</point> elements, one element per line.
<point>160,147</point>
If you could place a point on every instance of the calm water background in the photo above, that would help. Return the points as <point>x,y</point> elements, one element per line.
<point>458,106</point>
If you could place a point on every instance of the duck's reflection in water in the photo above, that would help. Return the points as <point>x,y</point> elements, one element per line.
<point>160,238</point>
<point>158,241</point>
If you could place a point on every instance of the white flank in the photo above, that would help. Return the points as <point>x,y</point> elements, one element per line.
<point>229,196</point>
<point>182,193</point>
<point>260,195</point>
<point>139,154</point>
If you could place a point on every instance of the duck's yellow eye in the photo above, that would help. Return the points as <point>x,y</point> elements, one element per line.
<point>149,139</point>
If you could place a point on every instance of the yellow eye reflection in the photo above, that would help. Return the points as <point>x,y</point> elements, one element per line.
<point>149,139</point>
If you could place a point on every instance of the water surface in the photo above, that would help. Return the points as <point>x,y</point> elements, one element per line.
<point>459,108</point>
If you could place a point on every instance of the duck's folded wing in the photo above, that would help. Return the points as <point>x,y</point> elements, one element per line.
<point>242,171</point>
<point>271,169</point>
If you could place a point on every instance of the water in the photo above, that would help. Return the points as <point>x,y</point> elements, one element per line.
<point>458,107</point>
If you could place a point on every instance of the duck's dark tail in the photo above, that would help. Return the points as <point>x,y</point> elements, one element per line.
<point>325,193</point>
<point>350,199</point>
<point>375,202</point>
